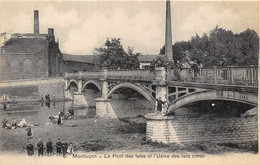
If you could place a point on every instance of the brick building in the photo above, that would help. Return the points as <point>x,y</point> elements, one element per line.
<point>35,55</point>
<point>30,55</point>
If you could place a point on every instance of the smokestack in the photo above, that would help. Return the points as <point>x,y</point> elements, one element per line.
<point>168,32</point>
<point>36,22</point>
<point>50,31</point>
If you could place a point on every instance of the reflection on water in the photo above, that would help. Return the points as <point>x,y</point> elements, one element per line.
<point>41,111</point>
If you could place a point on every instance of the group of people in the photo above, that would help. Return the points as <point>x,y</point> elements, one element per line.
<point>47,97</point>
<point>48,100</point>
<point>13,124</point>
<point>61,148</point>
<point>60,117</point>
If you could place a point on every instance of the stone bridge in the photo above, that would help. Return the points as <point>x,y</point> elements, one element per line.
<point>237,84</point>
<point>177,88</point>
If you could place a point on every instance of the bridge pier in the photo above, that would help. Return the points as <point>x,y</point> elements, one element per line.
<point>159,128</point>
<point>104,108</point>
<point>79,99</point>
<point>160,83</point>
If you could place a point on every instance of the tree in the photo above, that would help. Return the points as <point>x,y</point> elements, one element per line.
<point>114,56</point>
<point>249,46</point>
<point>219,47</point>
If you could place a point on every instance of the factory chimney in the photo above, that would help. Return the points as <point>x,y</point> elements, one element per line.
<point>168,32</point>
<point>36,22</point>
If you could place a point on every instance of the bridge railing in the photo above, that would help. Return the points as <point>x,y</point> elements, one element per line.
<point>95,75</point>
<point>228,75</point>
<point>146,75</point>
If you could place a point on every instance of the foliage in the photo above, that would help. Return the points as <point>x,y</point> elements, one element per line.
<point>114,56</point>
<point>219,48</point>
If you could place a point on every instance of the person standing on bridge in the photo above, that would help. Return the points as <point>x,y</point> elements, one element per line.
<point>159,104</point>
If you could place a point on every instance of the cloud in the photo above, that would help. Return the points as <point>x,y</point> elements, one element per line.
<point>85,34</point>
<point>83,26</point>
<point>205,19</point>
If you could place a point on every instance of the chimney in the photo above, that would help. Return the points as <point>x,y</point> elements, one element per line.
<point>168,32</point>
<point>36,22</point>
<point>50,31</point>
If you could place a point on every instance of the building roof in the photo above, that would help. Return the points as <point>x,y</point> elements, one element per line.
<point>23,45</point>
<point>150,58</point>
<point>92,59</point>
<point>29,35</point>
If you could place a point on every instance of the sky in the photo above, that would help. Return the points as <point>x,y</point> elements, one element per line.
<point>82,26</point>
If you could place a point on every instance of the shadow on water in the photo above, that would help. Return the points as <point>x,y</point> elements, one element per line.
<point>33,111</point>
<point>41,111</point>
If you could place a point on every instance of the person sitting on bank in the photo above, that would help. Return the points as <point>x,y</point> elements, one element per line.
<point>4,123</point>
<point>13,123</point>
<point>22,123</point>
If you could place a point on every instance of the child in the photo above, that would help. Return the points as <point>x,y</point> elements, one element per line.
<point>70,149</point>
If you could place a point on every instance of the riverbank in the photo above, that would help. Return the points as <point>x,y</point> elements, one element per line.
<point>105,135</point>
<point>97,135</point>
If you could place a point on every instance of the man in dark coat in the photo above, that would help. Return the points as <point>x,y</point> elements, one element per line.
<point>30,148</point>
<point>40,148</point>
<point>49,147</point>
<point>58,147</point>
<point>159,104</point>
<point>29,132</point>
<point>64,147</point>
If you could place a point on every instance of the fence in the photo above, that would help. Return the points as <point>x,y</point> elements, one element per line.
<point>227,75</point>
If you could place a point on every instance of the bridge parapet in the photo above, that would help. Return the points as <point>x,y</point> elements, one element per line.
<point>146,75</point>
<point>227,75</point>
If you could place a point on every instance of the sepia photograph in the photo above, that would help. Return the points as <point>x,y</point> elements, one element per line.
<point>129,82</point>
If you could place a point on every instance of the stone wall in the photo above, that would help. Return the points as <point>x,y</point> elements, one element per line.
<point>30,57</point>
<point>31,90</point>
<point>24,58</point>
<point>203,128</point>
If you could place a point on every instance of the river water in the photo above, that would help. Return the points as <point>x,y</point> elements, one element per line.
<point>117,133</point>
<point>33,111</point>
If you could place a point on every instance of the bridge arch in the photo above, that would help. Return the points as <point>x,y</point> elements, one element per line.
<point>69,83</point>
<point>204,95</point>
<point>94,83</point>
<point>137,88</point>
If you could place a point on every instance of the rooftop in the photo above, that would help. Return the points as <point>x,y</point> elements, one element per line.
<point>92,59</point>
<point>150,58</point>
